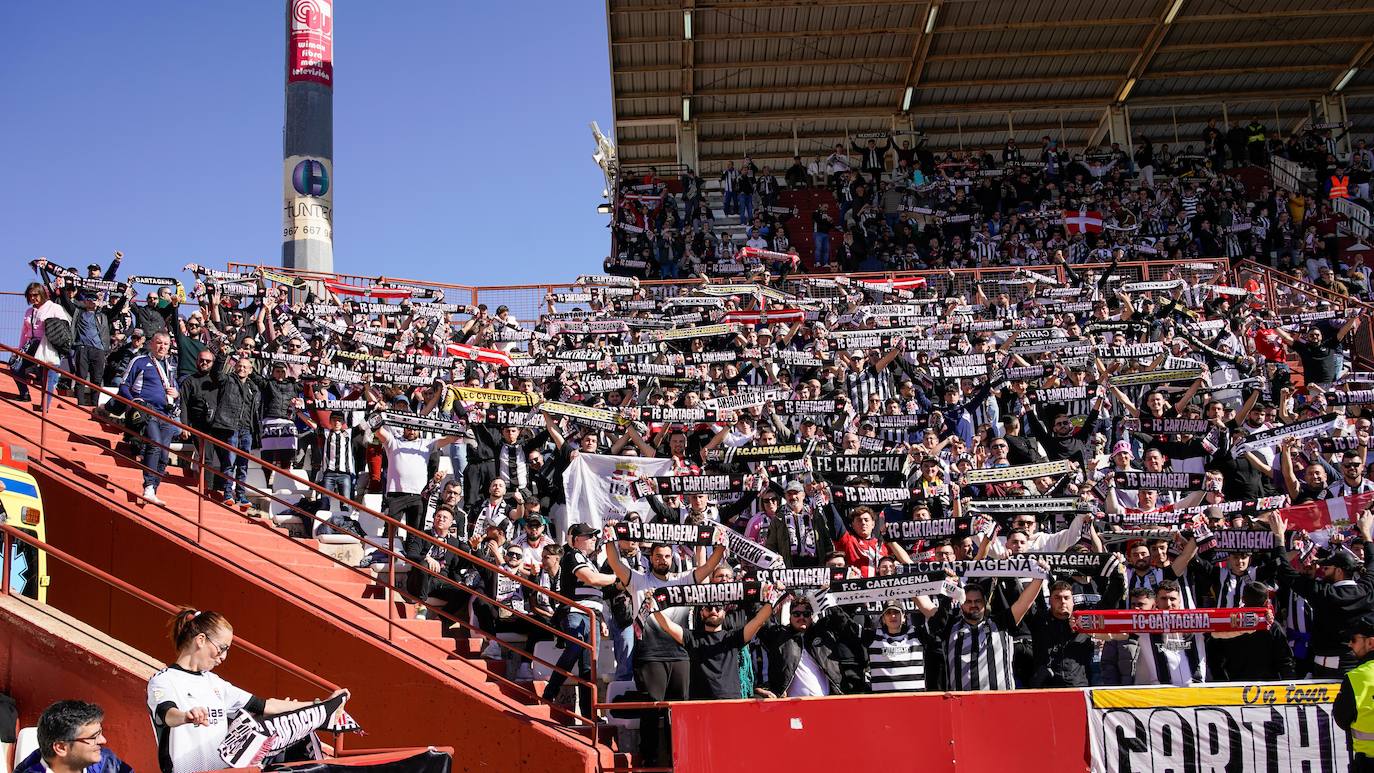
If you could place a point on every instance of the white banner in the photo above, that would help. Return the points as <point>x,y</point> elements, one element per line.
<point>1233,726</point>
<point>601,487</point>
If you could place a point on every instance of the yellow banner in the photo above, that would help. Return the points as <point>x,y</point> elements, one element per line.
<point>1253,694</point>
<point>494,396</point>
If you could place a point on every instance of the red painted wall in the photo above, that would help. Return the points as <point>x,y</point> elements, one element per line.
<point>38,667</point>
<point>397,702</point>
<point>1031,730</point>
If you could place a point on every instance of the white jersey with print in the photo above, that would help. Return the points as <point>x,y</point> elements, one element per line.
<point>192,748</point>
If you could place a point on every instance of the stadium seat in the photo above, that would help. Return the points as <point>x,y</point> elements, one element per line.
<point>548,651</point>
<point>26,744</point>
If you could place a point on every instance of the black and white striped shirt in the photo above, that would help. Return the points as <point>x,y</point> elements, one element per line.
<point>511,466</point>
<point>896,661</point>
<point>1229,586</point>
<point>978,657</point>
<point>1147,581</point>
<point>868,382</point>
<point>338,452</point>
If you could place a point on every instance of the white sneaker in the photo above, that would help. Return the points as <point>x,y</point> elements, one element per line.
<point>150,495</point>
<point>493,651</point>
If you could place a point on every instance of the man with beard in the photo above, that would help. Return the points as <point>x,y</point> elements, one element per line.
<point>1341,593</point>
<point>1150,564</point>
<point>798,534</point>
<point>978,644</point>
<point>1312,487</point>
<point>714,649</point>
<point>661,665</point>
<point>801,656</point>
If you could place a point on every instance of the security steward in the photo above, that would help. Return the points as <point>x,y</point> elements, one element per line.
<point>1354,706</point>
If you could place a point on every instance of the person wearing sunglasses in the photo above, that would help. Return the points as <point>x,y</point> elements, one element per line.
<point>71,739</point>
<point>1352,477</point>
<point>191,706</point>
<point>802,654</point>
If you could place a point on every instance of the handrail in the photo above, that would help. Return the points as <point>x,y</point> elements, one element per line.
<point>392,524</point>
<point>12,534</point>
<point>1363,350</point>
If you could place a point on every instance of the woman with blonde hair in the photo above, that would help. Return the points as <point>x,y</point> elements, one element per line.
<point>191,707</point>
<point>33,340</point>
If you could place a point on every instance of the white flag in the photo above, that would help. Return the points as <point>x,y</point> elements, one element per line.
<point>601,488</point>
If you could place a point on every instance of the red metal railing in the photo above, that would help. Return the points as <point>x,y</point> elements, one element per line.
<point>393,526</point>
<point>527,302</point>
<point>11,537</point>
<point>1285,294</point>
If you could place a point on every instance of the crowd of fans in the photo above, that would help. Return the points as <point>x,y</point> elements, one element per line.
<point>1110,429</point>
<point>903,206</point>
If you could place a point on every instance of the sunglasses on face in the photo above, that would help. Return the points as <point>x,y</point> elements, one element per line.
<point>804,613</point>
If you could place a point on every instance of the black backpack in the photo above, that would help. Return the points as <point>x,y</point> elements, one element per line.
<point>58,333</point>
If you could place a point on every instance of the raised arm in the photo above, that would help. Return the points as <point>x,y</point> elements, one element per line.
<point>1189,394</point>
<point>1028,595</point>
<point>760,618</point>
<point>1180,564</point>
<point>666,623</point>
<point>703,572</point>
<point>1290,476</point>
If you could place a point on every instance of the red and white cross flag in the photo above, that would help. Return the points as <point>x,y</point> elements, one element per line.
<point>1082,221</point>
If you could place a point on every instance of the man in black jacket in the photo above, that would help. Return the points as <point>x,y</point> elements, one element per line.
<point>237,410</point>
<point>1061,440</point>
<point>498,455</point>
<point>1062,655</point>
<point>198,398</point>
<point>1255,656</point>
<point>801,656</point>
<point>91,326</point>
<point>1342,593</point>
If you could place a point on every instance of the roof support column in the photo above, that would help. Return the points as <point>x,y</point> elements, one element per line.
<point>1117,130</point>
<point>687,145</point>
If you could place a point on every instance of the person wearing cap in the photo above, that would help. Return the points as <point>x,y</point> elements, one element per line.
<point>1353,709</point>
<point>897,652</point>
<point>281,404</point>
<point>117,364</point>
<point>797,533</point>
<point>1344,591</point>
<point>533,537</point>
<point>580,581</point>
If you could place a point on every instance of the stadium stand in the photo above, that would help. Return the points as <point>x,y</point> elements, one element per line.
<point>927,406</point>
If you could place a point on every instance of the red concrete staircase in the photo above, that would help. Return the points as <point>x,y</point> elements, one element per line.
<point>329,618</point>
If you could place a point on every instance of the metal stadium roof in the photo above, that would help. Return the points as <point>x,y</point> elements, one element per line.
<point>768,76</point>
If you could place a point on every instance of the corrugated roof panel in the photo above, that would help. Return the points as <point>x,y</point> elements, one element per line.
<point>1272,29</point>
<point>1230,83</point>
<point>1253,57</point>
<point>1047,39</point>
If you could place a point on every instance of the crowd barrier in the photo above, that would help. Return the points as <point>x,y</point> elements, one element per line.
<point>1223,727</point>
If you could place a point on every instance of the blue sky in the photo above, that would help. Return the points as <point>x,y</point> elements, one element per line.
<point>461,147</point>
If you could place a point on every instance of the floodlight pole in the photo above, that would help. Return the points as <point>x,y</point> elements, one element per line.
<point>308,137</point>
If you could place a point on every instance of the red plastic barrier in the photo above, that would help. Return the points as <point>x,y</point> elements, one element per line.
<point>932,732</point>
